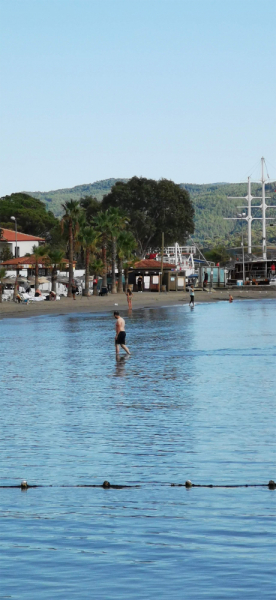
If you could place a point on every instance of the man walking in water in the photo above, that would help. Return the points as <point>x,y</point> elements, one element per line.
<point>120,337</point>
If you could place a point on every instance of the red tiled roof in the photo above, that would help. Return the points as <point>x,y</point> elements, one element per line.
<point>8,235</point>
<point>155,265</point>
<point>30,260</point>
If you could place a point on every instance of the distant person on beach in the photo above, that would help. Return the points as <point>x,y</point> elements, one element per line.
<point>140,283</point>
<point>205,282</point>
<point>74,289</point>
<point>231,298</point>
<point>120,336</point>
<point>192,296</point>
<point>129,298</point>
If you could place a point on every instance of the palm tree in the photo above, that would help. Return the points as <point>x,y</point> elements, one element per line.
<point>126,245</point>
<point>102,223</point>
<point>2,275</point>
<point>97,267</point>
<point>117,222</point>
<point>55,257</point>
<point>38,252</point>
<point>88,238</point>
<point>72,213</point>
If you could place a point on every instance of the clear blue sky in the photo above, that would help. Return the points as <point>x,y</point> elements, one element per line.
<point>93,89</point>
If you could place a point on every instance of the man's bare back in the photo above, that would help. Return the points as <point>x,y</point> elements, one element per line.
<point>120,325</point>
<point>120,337</point>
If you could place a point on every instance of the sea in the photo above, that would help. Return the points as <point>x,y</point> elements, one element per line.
<point>194,401</point>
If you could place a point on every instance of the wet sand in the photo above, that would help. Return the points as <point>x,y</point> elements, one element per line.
<point>118,302</point>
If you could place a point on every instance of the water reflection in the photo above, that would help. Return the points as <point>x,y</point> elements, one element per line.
<point>121,365</point>
<point>192,402</point>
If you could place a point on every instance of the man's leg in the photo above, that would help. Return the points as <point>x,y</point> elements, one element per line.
<point>117,347</point>
<point>125,348</point>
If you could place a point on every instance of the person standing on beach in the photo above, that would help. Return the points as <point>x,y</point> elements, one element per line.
<point>120,336</point>
<point>192,296</point>
<point>129,298</point>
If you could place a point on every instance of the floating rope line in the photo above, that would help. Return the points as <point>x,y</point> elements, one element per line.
<point>188,484</point>
<point>107,485</point>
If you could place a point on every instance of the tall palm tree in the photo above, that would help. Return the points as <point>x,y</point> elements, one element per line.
<point>88,238</point>
<point>55,257</point>
<point>38,252</point>
<point>126,246</point>
<point>102,223</point>
<point>2,275</point>
<point>117,222</point>
<point>97,267</point>
<point>72,213</point>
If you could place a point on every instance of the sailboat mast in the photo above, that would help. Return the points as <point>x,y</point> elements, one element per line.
<point>249,216</point>
<point>263,212</point>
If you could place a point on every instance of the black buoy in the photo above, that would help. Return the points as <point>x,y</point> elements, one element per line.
<point>272,485</point>
<point>24,485</point>
<point>106,484</point>
<point>188,484</point>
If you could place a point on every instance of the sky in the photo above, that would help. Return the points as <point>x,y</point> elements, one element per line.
<point>94,89</point>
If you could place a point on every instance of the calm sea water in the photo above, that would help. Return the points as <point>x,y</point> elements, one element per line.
<point>196,400</point>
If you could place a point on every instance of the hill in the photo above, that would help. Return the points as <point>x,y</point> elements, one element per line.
<point>211,204</point>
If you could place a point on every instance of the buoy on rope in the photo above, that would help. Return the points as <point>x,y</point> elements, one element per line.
<point>24,485</point>
<point>106,484</point>
<point>188,484</point>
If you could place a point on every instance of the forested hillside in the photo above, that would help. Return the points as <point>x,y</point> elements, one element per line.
<point>210,201</point>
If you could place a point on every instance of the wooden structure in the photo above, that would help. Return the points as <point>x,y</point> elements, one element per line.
<point>145,276</point>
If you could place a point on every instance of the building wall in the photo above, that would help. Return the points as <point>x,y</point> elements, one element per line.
<point>22,247</point>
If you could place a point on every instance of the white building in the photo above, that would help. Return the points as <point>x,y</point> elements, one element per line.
<point>25,242</point>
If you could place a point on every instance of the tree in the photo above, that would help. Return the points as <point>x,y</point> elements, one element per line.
<point>5,254</point>
<point>218,254</point>
<point>88,238</point>
<point>97,267</point>
<point>55,257</point>
<point>117,222</point>
<point>31,214</point>
<point>153,207</point>
<point>102,224</point>
<point>2,275</point>
<point>70,218</point>
<point>38,252</point>
<point>126,246</point>
<point>91,207</point>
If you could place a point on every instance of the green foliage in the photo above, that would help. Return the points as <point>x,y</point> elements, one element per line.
<point>210,202</point>
<point>5,254</point>
<point>56,198</point>
<point>152,207</point>
<point>91,207</point>
<point>31,214</point>
<point>218,254</point>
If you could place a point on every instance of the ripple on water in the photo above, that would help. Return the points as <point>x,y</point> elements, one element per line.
<point>195,400</point>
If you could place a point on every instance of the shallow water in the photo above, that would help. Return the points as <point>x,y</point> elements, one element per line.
<point>196,400</point>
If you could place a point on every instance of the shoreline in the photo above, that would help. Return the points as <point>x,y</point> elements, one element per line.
<point>65,306</point>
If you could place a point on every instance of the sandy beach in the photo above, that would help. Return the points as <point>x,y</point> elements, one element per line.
<point>118,302</point>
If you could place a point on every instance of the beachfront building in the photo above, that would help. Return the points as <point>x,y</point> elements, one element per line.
<point>145,276</point>
<point>19,244</point>
<point>25,267</point>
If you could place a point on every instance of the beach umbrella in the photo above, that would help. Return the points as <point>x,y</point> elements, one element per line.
<point>9,279</point>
